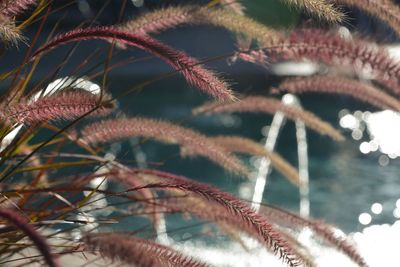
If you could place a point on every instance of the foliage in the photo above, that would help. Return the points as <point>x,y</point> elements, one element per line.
<point>56,155</point>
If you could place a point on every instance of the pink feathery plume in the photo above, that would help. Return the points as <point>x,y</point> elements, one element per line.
<point>65,105</point>
<point>271,106</point>
<point>8,30</point>
<point>20,223</point>
<point>170,17</point>
<point>160,20</point>
<point>205,210</point>
<point>238,210</point>
<point>321,229</point>
<point>333,50</point>
<point>137,251</point>
<point>116,129</point>
<point>322,9</point>
<point>12,8</point>
<point>386,10</point>
<point>339,85</point>
<point>190,68</point>
<point>238,144</point>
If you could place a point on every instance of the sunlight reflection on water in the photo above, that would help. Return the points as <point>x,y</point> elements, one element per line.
<point>378,244</point>
<point>383,128</point>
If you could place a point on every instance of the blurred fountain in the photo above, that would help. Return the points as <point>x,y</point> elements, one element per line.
<point>264,168</point>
